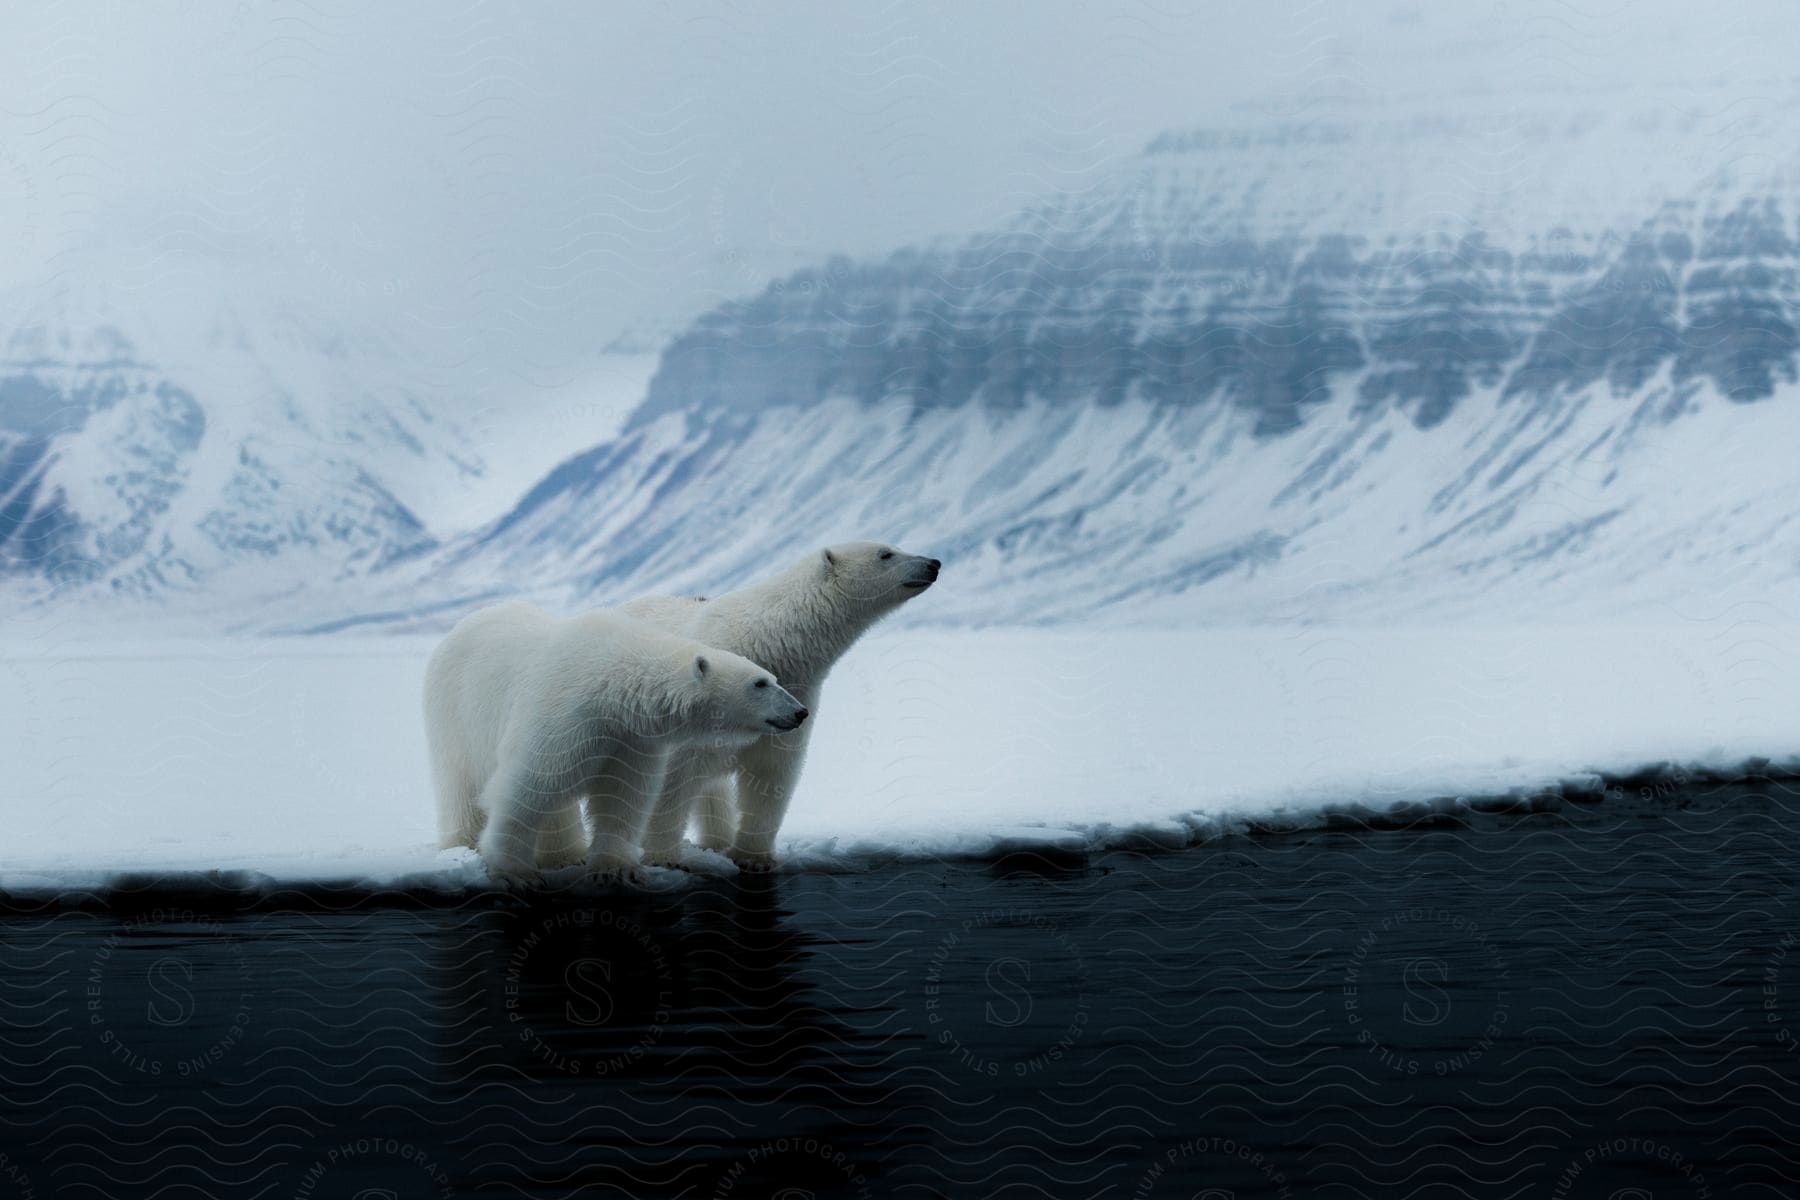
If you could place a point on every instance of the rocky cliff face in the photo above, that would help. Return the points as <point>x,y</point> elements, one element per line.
<point>1348,367</point>
<point>1268,269</point>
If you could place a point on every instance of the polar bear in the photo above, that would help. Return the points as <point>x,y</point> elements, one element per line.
<point>797,623</point>
<point>526,714</point>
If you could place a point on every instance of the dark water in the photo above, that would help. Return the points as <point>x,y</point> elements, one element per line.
<point>1601,1007</point>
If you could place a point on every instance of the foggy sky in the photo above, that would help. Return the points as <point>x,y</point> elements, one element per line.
<point>533,181</point>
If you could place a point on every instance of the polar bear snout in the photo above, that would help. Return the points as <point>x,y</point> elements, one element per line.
<point>781,709</point>
<point>924,574</point>
<point>792,721</point>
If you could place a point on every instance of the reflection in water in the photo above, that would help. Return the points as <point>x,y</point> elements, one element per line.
<point>684,1041</point>
<point>1592,1006</point>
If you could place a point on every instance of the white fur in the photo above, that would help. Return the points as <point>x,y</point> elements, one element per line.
<point>527,714</point>
<point>798,624</point>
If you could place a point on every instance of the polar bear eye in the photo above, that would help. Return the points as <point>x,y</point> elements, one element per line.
<point>887,554</point>
<point>762,683</point>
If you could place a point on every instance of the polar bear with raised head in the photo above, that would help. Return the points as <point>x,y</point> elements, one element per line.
<point>528,714</point>
<point>797,624</point>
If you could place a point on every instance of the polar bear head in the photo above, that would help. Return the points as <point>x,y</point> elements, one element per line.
<point>734,698</point>
<point>875,577</point>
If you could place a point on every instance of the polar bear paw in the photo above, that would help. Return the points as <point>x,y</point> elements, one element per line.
<point>669,858</point>
<point>752,861</point>
<point>613,872</point>
<point>515,876</point>
<point>558,857</point>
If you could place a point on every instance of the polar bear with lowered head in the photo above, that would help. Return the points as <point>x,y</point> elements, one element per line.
<point>798,624</point>
<point>528,714</point>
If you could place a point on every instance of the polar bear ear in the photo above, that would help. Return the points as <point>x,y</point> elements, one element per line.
<point>827,559</point>
<point>701,666</point>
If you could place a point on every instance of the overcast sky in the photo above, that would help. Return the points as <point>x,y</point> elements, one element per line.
<point>541,179</point>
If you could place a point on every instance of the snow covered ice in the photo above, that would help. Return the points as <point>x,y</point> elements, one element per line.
<point>283,760</point>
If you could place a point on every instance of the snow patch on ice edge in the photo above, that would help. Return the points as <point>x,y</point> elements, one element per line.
<point>452,878</point>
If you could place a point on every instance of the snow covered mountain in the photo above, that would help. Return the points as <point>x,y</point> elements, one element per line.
<point>217,439</point>
<point>143,451</point>
<point>1452,359</point>
<point>1464,358</point>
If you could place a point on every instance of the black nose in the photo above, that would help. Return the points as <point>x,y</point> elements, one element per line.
<point>936,566</point>
<point>799,714</point>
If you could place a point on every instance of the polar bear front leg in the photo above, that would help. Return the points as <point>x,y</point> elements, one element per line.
<point>621,794</point>
<point>716,812</point>
<point>767,773</point>
<point>669,814</point>
<point>563,840</point>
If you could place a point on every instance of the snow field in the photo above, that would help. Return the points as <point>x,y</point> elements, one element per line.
<point>304,759</point>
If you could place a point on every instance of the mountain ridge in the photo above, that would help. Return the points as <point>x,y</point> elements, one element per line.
<point>1467,344</point>
<point>1151,302</point>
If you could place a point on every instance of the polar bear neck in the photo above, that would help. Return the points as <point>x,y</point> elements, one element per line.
<point>793,625</point>
<point>643,675</point>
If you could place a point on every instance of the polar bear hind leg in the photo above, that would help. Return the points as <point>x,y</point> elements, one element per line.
<point>460,818</point>
<point>517,810</point>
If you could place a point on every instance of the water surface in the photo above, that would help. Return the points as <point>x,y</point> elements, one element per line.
<point>1536,1007</point>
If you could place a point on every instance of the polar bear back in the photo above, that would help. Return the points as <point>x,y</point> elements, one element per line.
<point>515,657</point>
<point>513,668</point>
<point>683,616</point>
<point>755,622</point>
